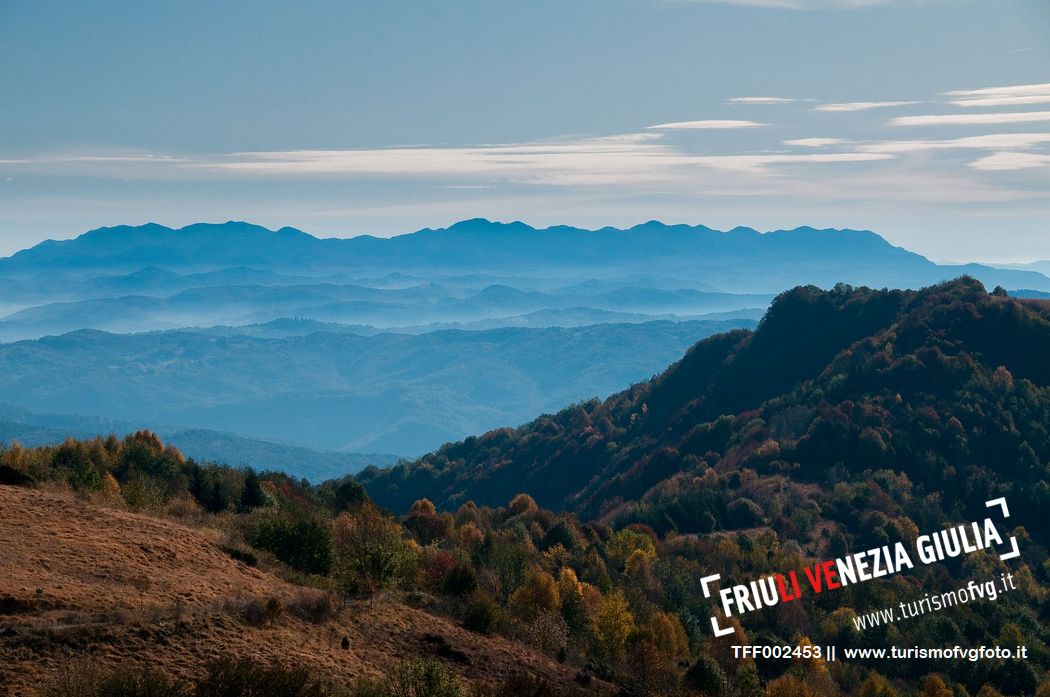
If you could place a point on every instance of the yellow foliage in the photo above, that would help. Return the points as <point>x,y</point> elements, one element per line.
<point>470,536</point>
<point>934,686</point>
<point>787,685</point>
<point>613,623</point>
<point>538,593</point>
<point>523,504</point>
<point>110,486</point>
<point>668,635</point>
<point>568,584</point>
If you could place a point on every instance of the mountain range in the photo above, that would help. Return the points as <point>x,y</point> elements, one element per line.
<point>392,345</point>
<point>738,260</point>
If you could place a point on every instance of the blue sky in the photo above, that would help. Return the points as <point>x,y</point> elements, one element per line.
<point>926,121</point>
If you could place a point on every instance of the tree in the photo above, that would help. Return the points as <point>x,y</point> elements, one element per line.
<point>650,671</point>
<point>627,541</point>
<point>612,624</point>
<point>373,554</point>
<point>539,593</point>
<point>253,495</point>
<point>667,635</point>
<point>424,522</point>
<point>876,686</point>
<point>301,541</point>
<point>348,495</point>
<point>573,604</point>
<point>934,686</point>
<point>708,677</point>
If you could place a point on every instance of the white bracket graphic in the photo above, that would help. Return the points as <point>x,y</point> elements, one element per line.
<point>719,631</point>
<point>1001,502</point>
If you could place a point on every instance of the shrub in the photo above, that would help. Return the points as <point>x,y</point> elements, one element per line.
<point>460,580</point>
<point>301,541</point>
<point>82,679</point>
<point>482,614</point>
<point>255,612</point>
<point>229,677</point>
<point>527,685</point>
<point>15,477</point>
<point>548,632</point>
<point>313,606</point>
<point>244,556</point>
<point>423,678</point>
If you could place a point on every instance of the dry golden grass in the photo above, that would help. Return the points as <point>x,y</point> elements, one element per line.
<point>73,585</point>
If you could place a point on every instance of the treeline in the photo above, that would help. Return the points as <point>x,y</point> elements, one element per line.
<point>619,600</point>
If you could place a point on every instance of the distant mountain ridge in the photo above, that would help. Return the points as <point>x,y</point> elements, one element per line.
<point>739,260</point>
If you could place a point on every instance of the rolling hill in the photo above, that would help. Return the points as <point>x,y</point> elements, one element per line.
<point>393,393</point>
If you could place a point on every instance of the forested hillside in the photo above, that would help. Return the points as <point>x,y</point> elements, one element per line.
<point>946,388</point>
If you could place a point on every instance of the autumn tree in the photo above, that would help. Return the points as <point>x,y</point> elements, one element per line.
<point>573,603</point>
<point>934,686</point>
<point>612,624</point>
<point>537,594</point>
<point>373,554</point>
<point>666,633</point>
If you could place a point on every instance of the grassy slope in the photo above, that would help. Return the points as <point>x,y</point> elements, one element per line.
<point>82,558</point>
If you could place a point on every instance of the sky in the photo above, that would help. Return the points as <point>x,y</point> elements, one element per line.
<point>927,121</point>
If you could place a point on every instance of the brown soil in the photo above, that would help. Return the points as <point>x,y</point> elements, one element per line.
<point>71,589</point>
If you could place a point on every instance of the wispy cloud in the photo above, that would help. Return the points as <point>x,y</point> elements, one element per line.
<point>859,106</point>
<point>1002,96</point>
<point>815,142</point>
<point>761,100</point>
<point>595,161</point>
<point>709,123</point>
<point>993,141</point>
<point>971,119</point>
<point>1002,161</point>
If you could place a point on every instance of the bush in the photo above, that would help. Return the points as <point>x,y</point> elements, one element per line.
<point>10,475</point>
<point>255,612</point>
<point>482,614</point>
<point>301,541</point>
<point>228,677</point>
<point>83,679</point>
<point>313,606</point>
<point>244,556</point>
<point>423,678</point>
<point>461,580</point>
<point>526,685</point>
